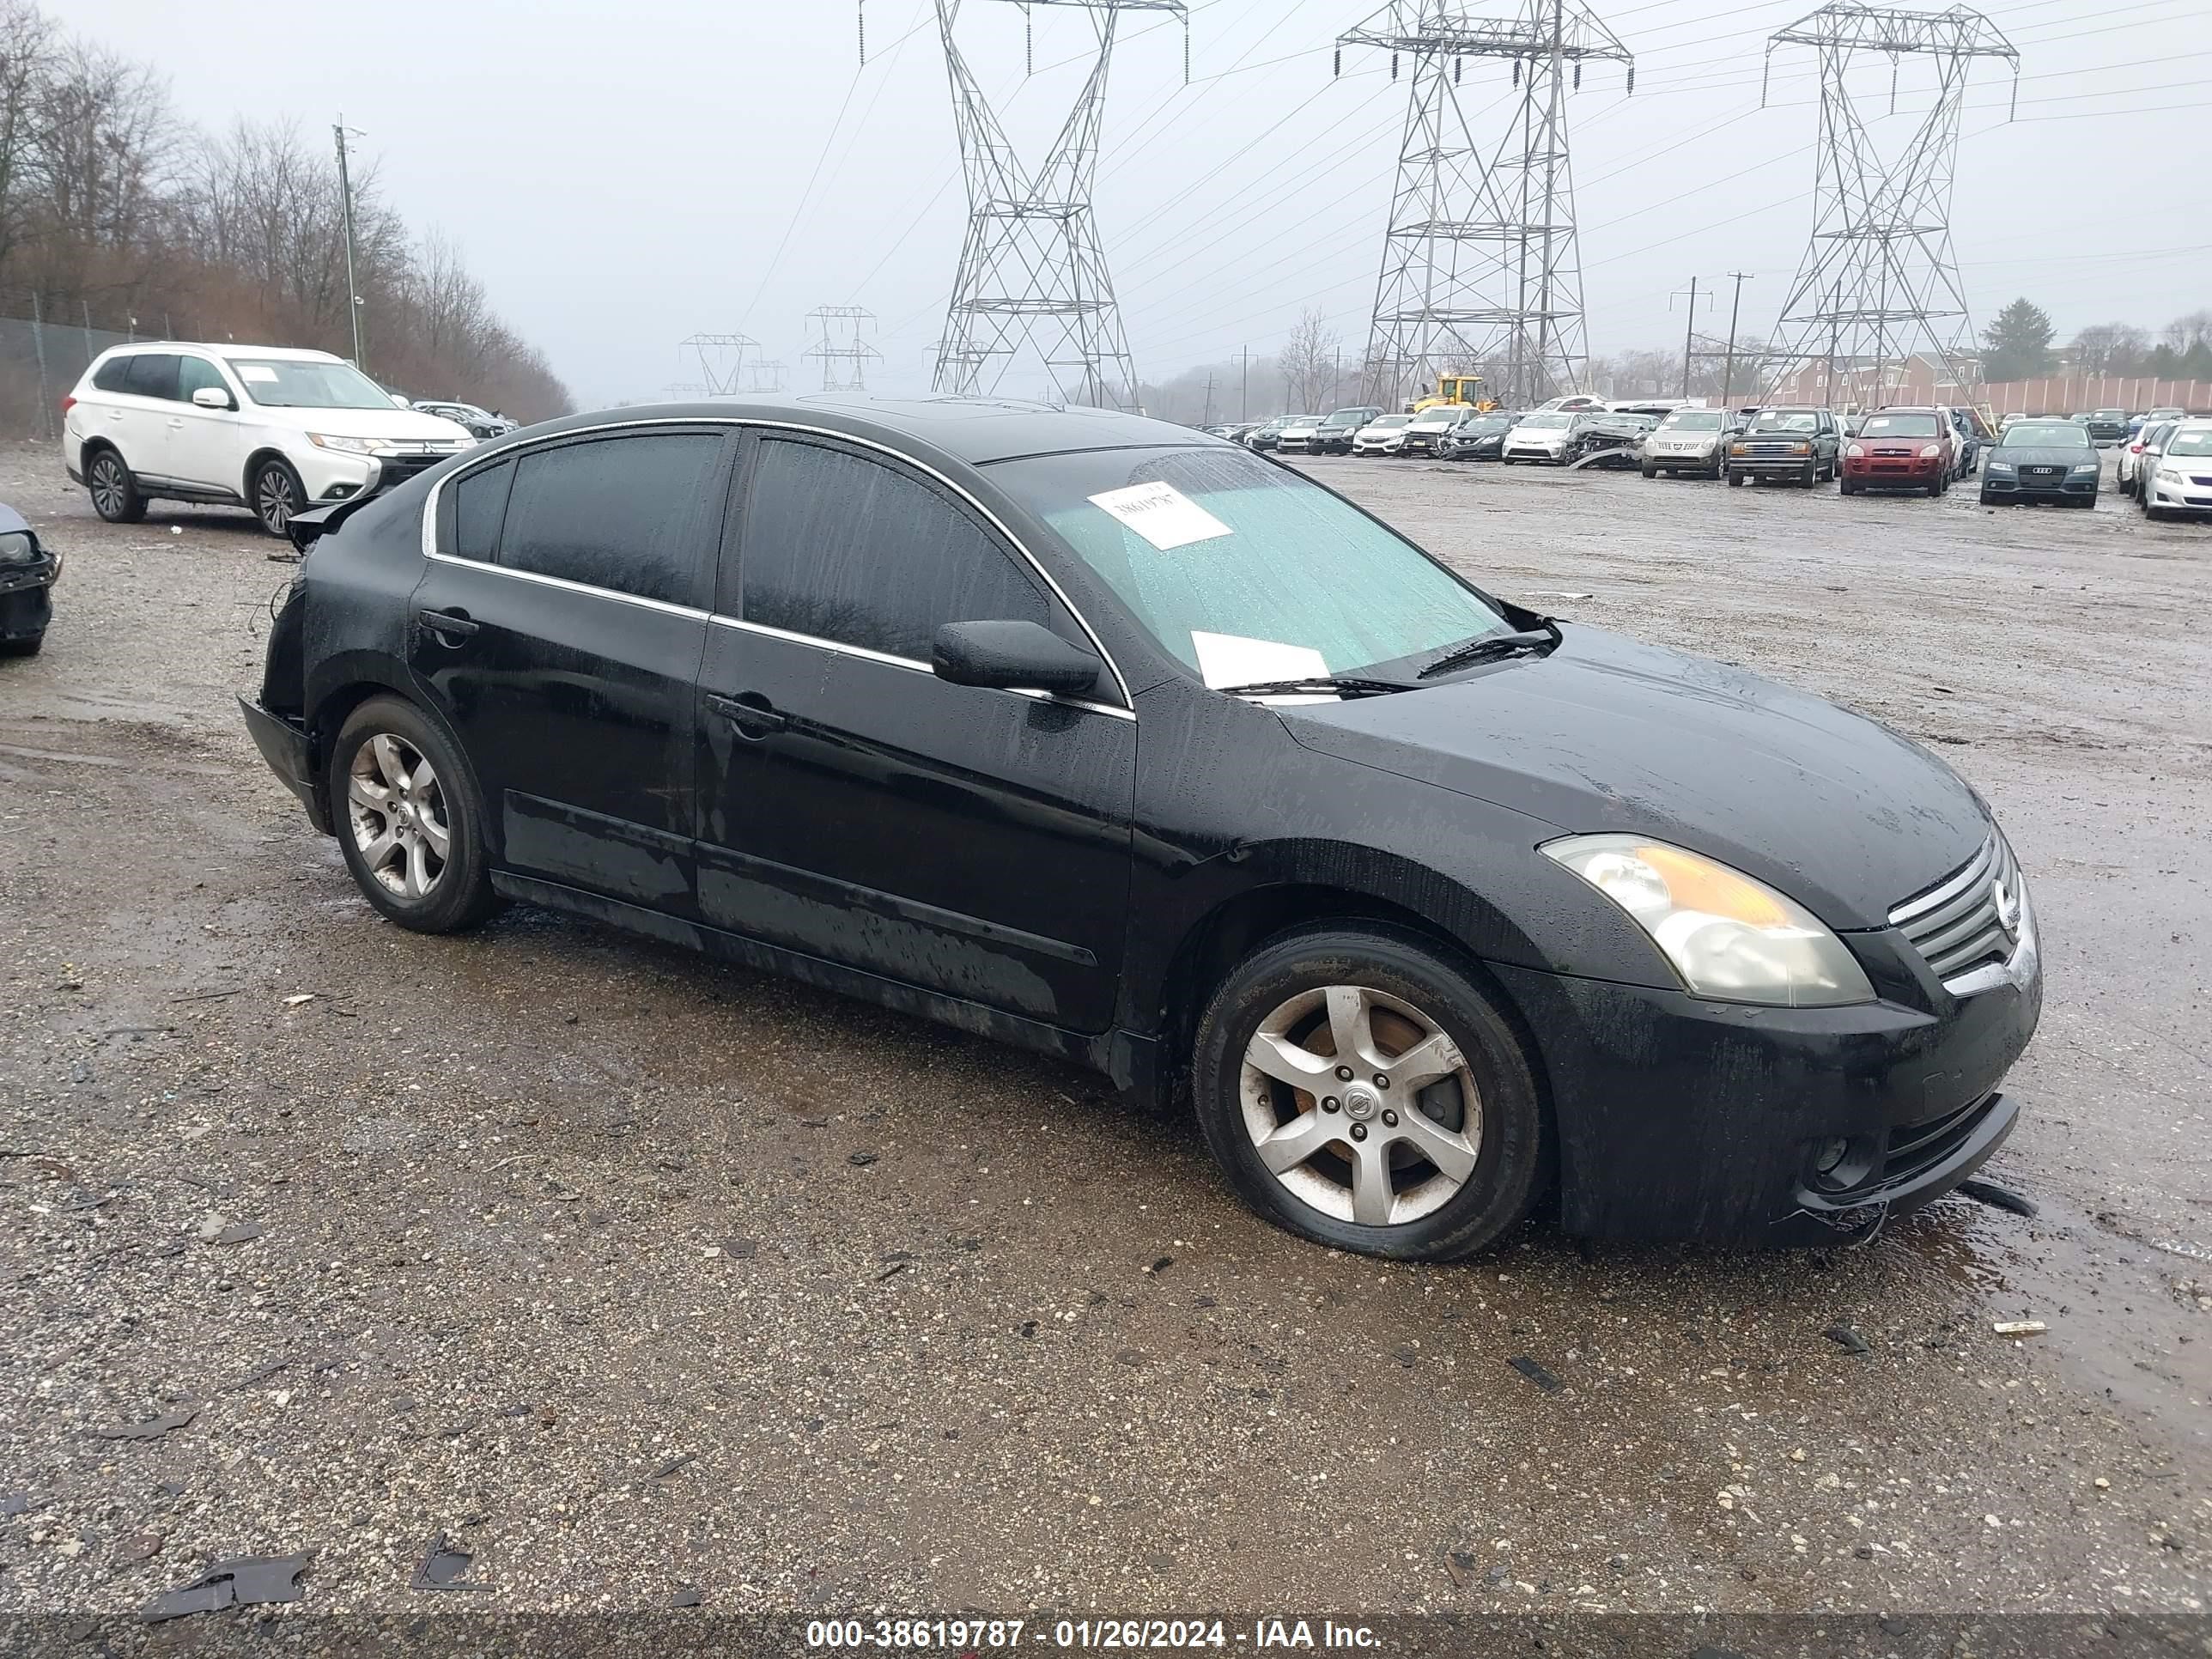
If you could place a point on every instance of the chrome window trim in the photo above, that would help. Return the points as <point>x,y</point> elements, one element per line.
<point>430,532</point>
<point>691,613</point>
<point>889,660</point>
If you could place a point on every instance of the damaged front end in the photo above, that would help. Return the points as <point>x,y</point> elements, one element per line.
<point>28,571</point>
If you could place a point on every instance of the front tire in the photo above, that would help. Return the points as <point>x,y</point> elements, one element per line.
<point>28,648</point>
<point>113,490</point>
<point>1735,478</point>
<point>1428,1146</point>
<point>409,819</point>
<point>277,494</point>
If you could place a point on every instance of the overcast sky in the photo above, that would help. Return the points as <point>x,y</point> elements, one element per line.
<point>625,172</point>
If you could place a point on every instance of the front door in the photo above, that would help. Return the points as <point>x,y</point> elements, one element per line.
<point>207,448</point>
<point>559,629</point>
<point>971,842</point>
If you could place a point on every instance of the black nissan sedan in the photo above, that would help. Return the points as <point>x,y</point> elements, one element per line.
<point>2042,461</point>
<point>1122,743</point>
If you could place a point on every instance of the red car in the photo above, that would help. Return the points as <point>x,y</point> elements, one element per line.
<point>1902,449</point>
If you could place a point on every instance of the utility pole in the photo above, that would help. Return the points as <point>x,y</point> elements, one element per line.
<point>1032,277</point>
<point>1479,270</point>
<point>353,289</point>
<point>1878,281</point>
<point>1206,419</point>
<point>1244,390</point>
<point>1727,368</point>
<point>1689,331</point>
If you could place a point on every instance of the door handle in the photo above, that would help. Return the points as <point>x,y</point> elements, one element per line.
<point>451,626</point>
<point>753,715</point>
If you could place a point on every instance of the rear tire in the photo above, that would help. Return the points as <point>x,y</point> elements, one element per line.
<point>1451,1143</point>
<point>113,489</point>
<point>22,647</point>
<point>397,786</point>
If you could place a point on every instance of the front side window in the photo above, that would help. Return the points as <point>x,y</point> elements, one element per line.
<point>283,383</point>
<point>623,512</point>
<point>1898,426</point>
<point>197,375</point>
<point>841,548</point>
<point>1242,571</point>
<point>153,374</point>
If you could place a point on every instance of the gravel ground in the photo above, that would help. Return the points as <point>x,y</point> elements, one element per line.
<point>629,1271</point>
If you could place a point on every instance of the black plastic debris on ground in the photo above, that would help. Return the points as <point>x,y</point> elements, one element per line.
<point>1996,1197</point>
<point>1535,1373</point>
<point>442,1567</point>
<point>249,1581</point>
<point>152,1430</point>
<point>1847,1339</point>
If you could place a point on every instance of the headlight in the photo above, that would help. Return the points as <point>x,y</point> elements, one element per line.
<point>2085,466</point>
<point>1856,451</point>
<point>2168,475</point>
<point>1738,449</point>
<point>16,547</point>
<point>1800,449</point>
<point>2001,466</point>
<point>1929,451</point>
<point>351,446</point>
<point>1727,936</point>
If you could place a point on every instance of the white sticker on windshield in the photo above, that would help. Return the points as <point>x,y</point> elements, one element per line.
<point>258,373</point>
<point>1232,659</point>
<point>1162,514</point>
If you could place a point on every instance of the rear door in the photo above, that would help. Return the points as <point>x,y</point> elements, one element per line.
<point>140,414</point>
<point>972,841</point>
<point>558,626</point>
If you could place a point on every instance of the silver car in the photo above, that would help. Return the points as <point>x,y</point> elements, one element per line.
<point>1689,441</point>
<point>1299,435</point>
<point>2140,454</point>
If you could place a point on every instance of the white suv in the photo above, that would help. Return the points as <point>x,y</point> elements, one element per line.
<point>270,428</point>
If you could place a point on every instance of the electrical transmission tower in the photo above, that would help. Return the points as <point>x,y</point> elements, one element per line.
<point>731,366</point>
<point>1880,281</point>
<point>1480,270</point>
<point>843,323</point>
<point>1032,273</point>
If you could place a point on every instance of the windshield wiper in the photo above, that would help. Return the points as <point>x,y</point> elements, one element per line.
<point>1350,684</point>
<point>1490,647</point>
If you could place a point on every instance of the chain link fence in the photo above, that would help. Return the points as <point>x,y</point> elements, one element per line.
<point>41,357</point>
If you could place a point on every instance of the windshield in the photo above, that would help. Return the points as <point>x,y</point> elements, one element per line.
<point>1691,420</point>
<point>1437,418</point>
<point>1784,420</point>
<point>308,385</point>
<point>2046,434</point>
<point>1391,420</point>
<point>1485,423</point>
<point>1549,423</point>
<point>1243,571</point>
<point>1898,426</point>
<point>2110,415</point>
<point>1349,417</point>
<point>2197,442</point>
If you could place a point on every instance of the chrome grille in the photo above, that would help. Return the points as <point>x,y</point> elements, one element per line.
<point>1973,916</point>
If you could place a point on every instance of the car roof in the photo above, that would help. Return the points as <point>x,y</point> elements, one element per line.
<point>974,430</point>
<point>231,348</point>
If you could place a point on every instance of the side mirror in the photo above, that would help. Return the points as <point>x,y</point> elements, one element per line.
<point>1011,656</point>
<point>398,402</point>
<point>213,397</point>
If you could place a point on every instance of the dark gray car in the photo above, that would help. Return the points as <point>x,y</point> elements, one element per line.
<point>2042,461</point>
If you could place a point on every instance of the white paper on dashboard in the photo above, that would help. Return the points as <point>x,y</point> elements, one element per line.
<point>1232,659</point>
<point>256,374</point>
<point>1162,514</point>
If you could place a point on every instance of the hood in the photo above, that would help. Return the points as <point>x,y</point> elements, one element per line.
<point>405,425</point>
<point>1840,813</point>
<point>1542,434</point>
<point>2041,455</point>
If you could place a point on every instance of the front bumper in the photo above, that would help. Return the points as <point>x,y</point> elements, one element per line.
<point>2014,487</point>
<point>1700,459</point>
<point>290,757</point>
<point>2193,494</point>
<point>1779,463</point>
<point>1908,471</point>
<point>1683,1118</point>
<point>1379,447</point>
<point>1531,452</point>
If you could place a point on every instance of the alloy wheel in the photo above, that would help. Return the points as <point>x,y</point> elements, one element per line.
<point>397,811</point>
<point>274,499</point>
<point>1361,1105</point>
<point>109,487</point>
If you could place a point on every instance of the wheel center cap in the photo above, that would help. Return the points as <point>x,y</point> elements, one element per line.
<point>1361,1102</point>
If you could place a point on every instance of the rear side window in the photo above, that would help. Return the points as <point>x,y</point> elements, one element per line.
<point>110,374</point>
<point>837,547</point>
<point>479,509</point>
<point>153,374</point>
<point>620,512</point>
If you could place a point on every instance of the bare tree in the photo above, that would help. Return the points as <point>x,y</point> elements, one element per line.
<point>27,51</point>
<point>2110,349</point>
<point>1308,361</point>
